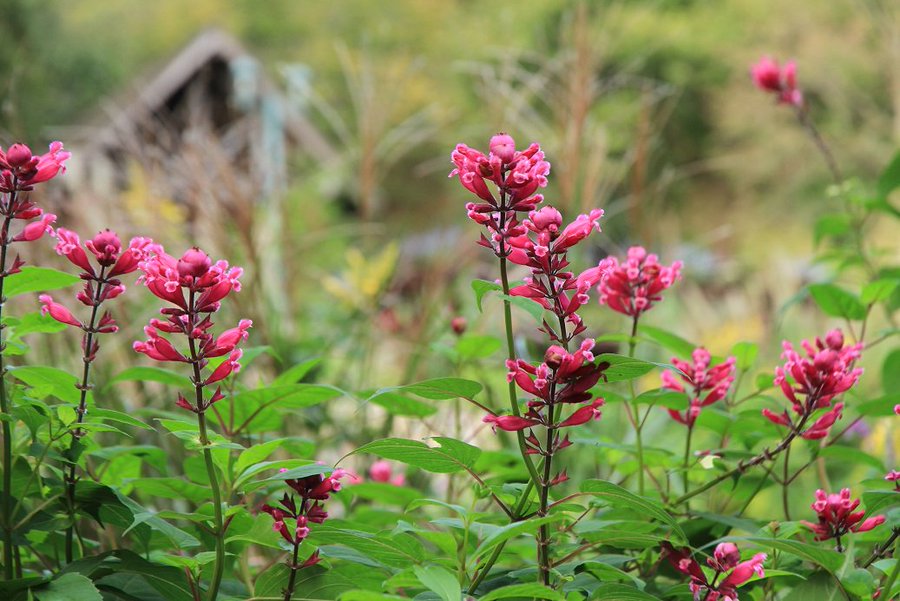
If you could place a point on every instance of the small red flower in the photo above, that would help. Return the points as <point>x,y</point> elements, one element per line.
<point>705,385</point>
<point>634,285</point>
<point>781,81</point>
<point>837,516</point>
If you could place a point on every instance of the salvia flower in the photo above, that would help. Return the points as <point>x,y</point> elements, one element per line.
<point>634,285</point>
<point>811,382</point>
<point>562,380</point>
<point>704,384</point>
<point>382,471</point>
<point>893,476</point>
<point>779,80</point>
<point>293,516</point>
<point>20,170</point>
<point>837,516</point>
<point>101,282</point>
<point>195,286</point>
<point>729,571</point>
<point>505,181</point>
<point>543,248</point>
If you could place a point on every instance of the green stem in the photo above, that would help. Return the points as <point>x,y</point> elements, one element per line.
<point>511,353</point>
<point>289,591</point>
<point>889,584</point>
<point>687,459</point>
<point>77,433</point>
<point>784,485</point>
<point>636,418</point>
<point>6,504</point>
<point>219,530</point>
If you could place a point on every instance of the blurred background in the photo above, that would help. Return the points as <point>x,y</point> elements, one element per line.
<point>309,142</point>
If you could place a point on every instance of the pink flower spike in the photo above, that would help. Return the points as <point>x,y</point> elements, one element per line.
<point>58,311</point>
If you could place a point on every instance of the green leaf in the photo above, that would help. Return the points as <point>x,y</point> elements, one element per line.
<point>472,346</point>
<point>440,581</point>
<point>664,398</point>
<point>526,304</point>
<point>890,373</point>
<point>889,180</point>
<point>398,551</point>
<point>261,451</point>
<point>301,472</point>
<point>850,455</point>
<point>397,404</point>
<point>482,287</point>
<point>296,373</point>
<point>523,591</point>
<point>832,226</point>
<point>437,389</point>
<point>877,500</point>
<point>668,340</point>
<point>622,368</point>
<point>504,533</point>
<point>837,302</point>
<point>178,537</point>
<point>451,456</point>
<point>68,587</point>
<point>879,290</point>
<point>620,497</point>
<point>818,587</point>
<point>745,355</point>
<point>150,374</point>
<point>620,592</point>
<point>104,415</point>
<point>830,560</point>
<point>49,381</point>
<point>37,279</point>
<point>313,583</point>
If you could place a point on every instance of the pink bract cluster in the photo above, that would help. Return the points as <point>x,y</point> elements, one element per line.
<point>563,379</point>
<point>810,383</point>
<point>779,80</point>
<point>705,385</point>
<point>837,517</point>
<point>313,491</point>
<point>543,248</point>
<point>515,174</point>
<point>634,285</point>
<point>20,170</point>
<point>101,283</point>
<point>730,571</point>
<point>196,287</point>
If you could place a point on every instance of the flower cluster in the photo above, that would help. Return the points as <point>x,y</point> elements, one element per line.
<point>563,379</point>
<point>313,491</point>
<point>101,283</point>
<point>782,81</point>
<point>836,516</point>
<point>516,175</point>
<point>705,385</point>
<point>730,571</point>
<point>810,383</point>
<point>632,286</point>
<point>381,471</point>
<point>195,286</point>
<point>544,247</point>
<point>20,170</point>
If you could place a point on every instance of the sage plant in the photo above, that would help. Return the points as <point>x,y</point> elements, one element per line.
<point>194,286</point>
<point>20,171</point>
<point>101,284</point>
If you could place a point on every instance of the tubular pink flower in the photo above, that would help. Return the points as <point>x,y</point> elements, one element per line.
<point>35,230</point>
<point>811,382</point>
<point>781,81</point>
<point>706,384</point>
<point>22,169</point>
<point>633,286</point>
<point>837,516</point>
<point>58,311</point>
<point>744,571</point>
<point>226,368</point>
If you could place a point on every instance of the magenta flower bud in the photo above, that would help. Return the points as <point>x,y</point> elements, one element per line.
<point>503,146</point>
<point>726,556</point>
<point>35,230</point>
<point>17,155</point>
<point>834,340</point>
<point>458,325</point>
<point>194,263</point>
<point>57,311</point>
<point>106,247</point>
